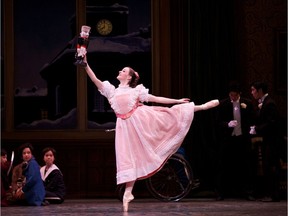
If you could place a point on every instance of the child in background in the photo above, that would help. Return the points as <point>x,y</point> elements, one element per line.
<point>4,177</point>
<point>32,192</point>
<point>52,178</point>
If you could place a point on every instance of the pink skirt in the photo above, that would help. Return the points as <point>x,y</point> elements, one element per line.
<point>145,140</point>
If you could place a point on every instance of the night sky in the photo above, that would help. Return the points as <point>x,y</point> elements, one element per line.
<point>42,30</point>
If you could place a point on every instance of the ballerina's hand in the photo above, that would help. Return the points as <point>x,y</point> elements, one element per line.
<point>184,100</point>
<point>85,59</point>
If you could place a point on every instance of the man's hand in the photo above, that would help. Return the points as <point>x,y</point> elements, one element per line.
<point>232,124</point>
<point>252,130</point>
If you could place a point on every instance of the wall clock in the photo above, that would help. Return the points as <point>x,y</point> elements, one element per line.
<point>104,27</point>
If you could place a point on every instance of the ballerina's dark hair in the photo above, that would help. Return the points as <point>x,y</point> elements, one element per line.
<point>134,78</point>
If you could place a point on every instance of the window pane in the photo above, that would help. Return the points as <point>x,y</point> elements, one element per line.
<point>120,36</point>
<point>45,77</point>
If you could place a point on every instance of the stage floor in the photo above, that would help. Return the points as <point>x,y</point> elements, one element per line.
<point>151,207</point>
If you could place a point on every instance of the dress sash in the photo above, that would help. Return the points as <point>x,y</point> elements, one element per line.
<point>127,115</point>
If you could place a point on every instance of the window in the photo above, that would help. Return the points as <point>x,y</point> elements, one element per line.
<point>45,83</point>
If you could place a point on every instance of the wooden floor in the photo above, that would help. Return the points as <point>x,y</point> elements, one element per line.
<point>151,207</point>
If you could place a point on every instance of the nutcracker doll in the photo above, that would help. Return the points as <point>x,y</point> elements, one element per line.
<point>82,45</point>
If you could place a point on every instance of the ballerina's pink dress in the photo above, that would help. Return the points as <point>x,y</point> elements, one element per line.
<point>146,136</point>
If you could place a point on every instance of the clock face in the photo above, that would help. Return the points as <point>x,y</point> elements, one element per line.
<point>104,27</point>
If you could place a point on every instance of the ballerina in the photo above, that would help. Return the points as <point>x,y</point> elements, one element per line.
<point>146,136</point>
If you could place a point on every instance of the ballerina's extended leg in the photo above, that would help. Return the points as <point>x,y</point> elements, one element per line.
<point>128,196</point>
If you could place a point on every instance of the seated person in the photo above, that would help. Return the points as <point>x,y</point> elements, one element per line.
<point>31,190</point>
<point>4,177</point>
<point>17,177</point>
<point>52,178</point>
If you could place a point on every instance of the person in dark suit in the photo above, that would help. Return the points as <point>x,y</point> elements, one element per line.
<point>267,126</point>
<point>234,117</point>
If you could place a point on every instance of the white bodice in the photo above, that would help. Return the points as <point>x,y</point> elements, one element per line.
<point>124,99</point>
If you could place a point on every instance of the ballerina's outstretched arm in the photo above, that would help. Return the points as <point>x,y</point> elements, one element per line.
<point>165,100</point>
<point>205,106</point>
<point>92,75</point>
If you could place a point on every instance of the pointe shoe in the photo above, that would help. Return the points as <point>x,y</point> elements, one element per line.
<point>125,206</point>
<point>126,199</point>
<point>210,104</point>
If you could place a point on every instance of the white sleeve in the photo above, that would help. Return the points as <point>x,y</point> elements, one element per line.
<point>143,93</point>
<point>107,90</point>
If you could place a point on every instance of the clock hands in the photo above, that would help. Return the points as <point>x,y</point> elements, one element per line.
<point>104,27</point>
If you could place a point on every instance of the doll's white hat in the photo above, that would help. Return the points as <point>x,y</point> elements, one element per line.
<point>85,28</point>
